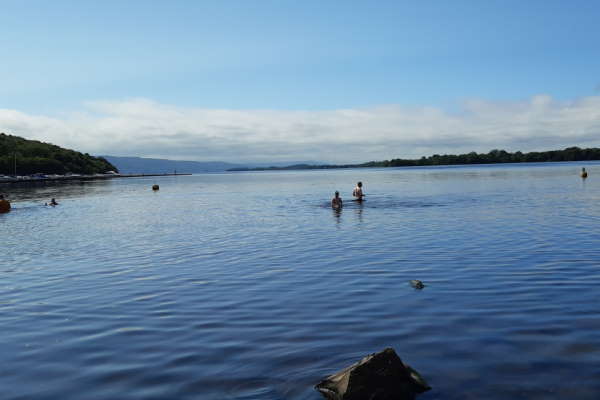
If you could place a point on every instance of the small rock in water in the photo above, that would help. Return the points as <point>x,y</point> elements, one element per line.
<point>417,284</point>
<point>379,376</point>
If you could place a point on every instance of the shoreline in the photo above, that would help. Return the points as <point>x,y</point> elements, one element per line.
<point>82,178</point>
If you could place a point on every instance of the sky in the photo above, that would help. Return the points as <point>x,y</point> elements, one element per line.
<point>277,80</point>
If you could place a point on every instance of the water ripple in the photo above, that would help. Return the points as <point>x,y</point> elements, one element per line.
<point>247,286</point>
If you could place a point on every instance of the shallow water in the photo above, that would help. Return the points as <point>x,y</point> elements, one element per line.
<point>248,286</point>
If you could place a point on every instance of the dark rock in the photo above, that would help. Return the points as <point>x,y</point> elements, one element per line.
<point>379,376</point>
<point>417,284</point>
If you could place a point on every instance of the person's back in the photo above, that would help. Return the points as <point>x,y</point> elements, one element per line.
<point>4,205</point>
<point>357,192</point>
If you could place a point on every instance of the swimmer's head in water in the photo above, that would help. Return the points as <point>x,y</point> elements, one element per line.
<point>337,194</point>
<point>359,184</point>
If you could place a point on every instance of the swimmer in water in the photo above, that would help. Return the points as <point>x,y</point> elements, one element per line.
<point>53,202</point>
<point>357,192</point>
<point>336,202</point>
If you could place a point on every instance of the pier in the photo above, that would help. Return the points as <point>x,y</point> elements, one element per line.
<point>55,178</point>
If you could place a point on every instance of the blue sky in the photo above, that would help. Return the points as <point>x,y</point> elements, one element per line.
<point>60,59</point>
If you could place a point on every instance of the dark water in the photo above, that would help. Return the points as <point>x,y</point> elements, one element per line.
<point>248,286</point>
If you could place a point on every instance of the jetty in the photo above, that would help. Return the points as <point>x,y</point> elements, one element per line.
<point>75,177</point>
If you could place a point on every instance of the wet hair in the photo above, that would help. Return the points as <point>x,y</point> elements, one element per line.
<point>1,196</point>
<point>359,184</point>
<point>337,193</point>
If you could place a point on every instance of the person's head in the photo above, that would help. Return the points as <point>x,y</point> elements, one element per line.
<point>583,169</point>
<point>2,196</point>
<point>337,194</point>
<point>359,184</point>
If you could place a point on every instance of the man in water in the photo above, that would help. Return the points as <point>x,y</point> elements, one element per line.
<point>336,202</point>
<point>357,192</point>
<point>4,205</point>
<point>53,202</point>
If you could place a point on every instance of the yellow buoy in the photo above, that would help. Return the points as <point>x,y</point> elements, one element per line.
<point>155,187</point>
<point>4,206</point>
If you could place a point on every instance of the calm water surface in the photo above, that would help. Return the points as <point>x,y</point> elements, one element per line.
<point>248,286</point>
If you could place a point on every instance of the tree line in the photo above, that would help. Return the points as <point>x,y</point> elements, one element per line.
<point>493,157</point>
<point>32,156</point>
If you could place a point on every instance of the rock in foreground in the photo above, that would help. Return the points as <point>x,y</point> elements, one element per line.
<point>417,284</point>
<point>379,376</point>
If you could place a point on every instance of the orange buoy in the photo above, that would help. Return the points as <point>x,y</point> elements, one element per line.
<point>4,206</point>
<point>155,187</point>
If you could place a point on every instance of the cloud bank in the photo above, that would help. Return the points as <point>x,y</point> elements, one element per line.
<point>141,127</point>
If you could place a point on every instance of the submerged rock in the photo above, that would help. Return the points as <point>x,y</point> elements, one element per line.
<point>417,284</point>
<point>378,376</point>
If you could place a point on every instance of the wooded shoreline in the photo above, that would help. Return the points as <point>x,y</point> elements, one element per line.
<point>493,157</point>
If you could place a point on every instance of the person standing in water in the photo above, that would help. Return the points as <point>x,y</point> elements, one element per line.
<point>357,192</point>
<point>336,202</point>
<point>4,205</point>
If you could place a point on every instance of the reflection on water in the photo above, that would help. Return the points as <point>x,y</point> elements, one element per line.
<point>42,192</point>
<point>359,209</point>
<point>249,286</point>
<point>337,213</point>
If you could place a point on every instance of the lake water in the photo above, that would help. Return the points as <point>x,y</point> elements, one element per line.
<point>249,286</point>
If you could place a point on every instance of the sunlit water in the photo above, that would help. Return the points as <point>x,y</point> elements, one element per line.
<point>248,285</point>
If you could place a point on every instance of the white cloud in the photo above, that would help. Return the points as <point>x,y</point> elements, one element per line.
<point>141,127</point>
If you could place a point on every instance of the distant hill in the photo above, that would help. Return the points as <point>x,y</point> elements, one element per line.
<point>141,165</point>
<point>32,156</point>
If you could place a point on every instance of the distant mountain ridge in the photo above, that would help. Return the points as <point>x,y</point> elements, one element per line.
<point>142,165</point>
